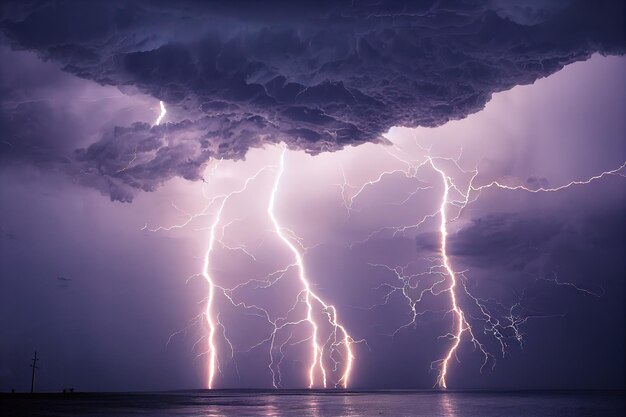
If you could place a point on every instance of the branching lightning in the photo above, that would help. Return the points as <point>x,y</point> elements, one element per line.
<point>310,297</point>
<point>335,348</point>
<point>459,319</point>
<point>615,171</point>
<point>446,280</point>
<point>493,324</point>
<point>460,323</point>
<point>332,356</point>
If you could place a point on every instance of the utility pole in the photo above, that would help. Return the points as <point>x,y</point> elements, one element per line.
<point>34,366</point>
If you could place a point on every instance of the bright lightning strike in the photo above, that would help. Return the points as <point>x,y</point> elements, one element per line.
<point>615,171</point>
<point>209,314</point>
<point>317,358</point>
<point>447,281</point>
<point>332,350</point>
<point>161,115</point>
<point>134,157</point>
<point>458,313</point>
<point>460,323</point>
<point>331,359</point>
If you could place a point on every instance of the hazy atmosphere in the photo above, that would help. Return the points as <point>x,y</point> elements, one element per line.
<point>363,195</point>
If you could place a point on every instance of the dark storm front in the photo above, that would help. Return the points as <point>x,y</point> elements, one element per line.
<point>319,403</point>
<point>342,194</point>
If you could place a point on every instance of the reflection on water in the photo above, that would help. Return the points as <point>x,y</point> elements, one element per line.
<point>318,404</point>
<point>447,405</point>
<point>271,410</point>
<point>312,404</point>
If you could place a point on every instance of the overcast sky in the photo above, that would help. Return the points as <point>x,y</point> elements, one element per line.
<point>92,280</point>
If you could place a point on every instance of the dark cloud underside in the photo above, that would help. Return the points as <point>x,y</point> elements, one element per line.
<point>317,75</point>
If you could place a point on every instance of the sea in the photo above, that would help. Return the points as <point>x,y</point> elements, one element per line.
<point>300,403</point>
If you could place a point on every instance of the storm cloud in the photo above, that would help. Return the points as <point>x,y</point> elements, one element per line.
<point>318,76</point>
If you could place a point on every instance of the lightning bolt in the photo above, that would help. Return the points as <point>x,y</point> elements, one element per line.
<point>310,297</point>
<point>336,347</point>
<point>448,281</point>
<point>331,345</point>
<point>161,115</point>
<point>461,324</point>
<point>209,314</point>
<point>134,156</point>
<point>458,313</point>
<point>497,184</point>
<point>408,171</point>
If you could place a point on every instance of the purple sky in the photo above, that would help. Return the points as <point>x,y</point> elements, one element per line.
<point>97,288</point>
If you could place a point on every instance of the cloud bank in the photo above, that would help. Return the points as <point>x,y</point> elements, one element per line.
<point>318,76</point>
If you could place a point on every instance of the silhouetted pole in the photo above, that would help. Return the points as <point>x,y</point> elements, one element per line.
<point>34,366</point>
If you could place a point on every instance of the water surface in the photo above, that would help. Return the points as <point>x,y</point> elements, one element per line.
<point>318,404</point>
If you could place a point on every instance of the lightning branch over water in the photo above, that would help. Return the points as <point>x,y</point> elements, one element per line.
<point>493,325</point>
<point>331,346</point>
<point>495,319</point>
<point>459,318</point>
<point>209,313</point>
<point>334,341</point>
<point>460,323</point>
<point>331,350</point>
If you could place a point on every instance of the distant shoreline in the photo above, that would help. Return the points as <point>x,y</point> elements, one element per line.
<point>304,391</point>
